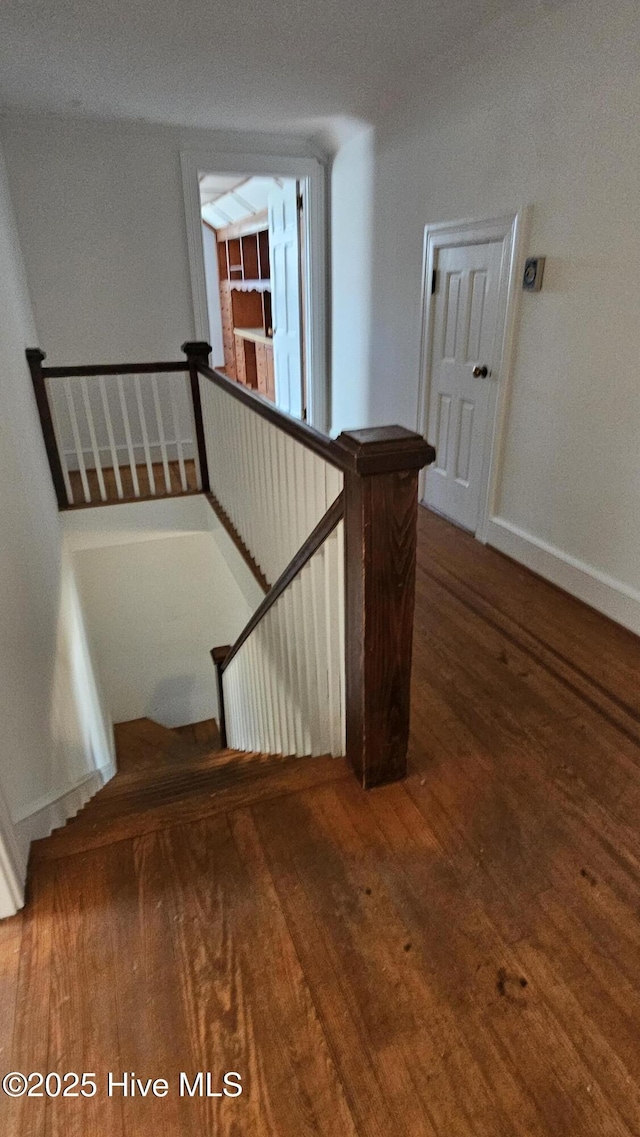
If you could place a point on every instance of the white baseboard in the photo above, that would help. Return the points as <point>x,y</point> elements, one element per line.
<point>610,596</point>
<point>53,813</point>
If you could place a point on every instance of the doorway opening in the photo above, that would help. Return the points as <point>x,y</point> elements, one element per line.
<point>470,286</point>
<point>253,247</point>
<point>269,210</point>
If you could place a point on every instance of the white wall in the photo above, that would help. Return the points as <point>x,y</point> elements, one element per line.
<point>49,739</point>
<point>158,593</point>
<point>101,218</point>
<point>549,117</point>
<point>351,192</point>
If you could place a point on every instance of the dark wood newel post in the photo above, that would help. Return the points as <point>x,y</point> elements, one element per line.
<point>35,359</point>
<point>381,509</point>
<point>198,352</point>
<point>218,655</point>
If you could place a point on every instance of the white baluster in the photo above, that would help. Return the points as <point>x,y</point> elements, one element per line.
<point>77,441</point>
<point>299,660</point>
<point>55,415</point>
<point>321,660</point>
<point>252,693</point>
<point>278,739</point>
<point>302,530</point>
<point>252,508</point>
<point>281,502</point>
<point>288,488</point>
<point>127,434</point>
<point>249,485</point>
<point>244,688</point>
<point>332,571</point>
<point>145,436</point>
<point>269,737</point>
<point>291,625</point>
<point>280,673</point>
<point>237,678</point>
<point>113,450</point>
<point>341,638</point>
<point>177,432</point>
<point>88,412</point>
<point>235,674</point>
<point>262,505</point>
<point>161,435</point>
<point>259,705</point>
<point>275,502</point>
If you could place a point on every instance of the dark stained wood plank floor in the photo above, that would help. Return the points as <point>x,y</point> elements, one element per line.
<point>453,956</point>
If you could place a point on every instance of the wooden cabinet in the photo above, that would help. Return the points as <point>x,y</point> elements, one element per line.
<point>254,361</point>
<point>245,303</point>
<point>246,362</point>
<point>264,371</point>
<point>228,339</point>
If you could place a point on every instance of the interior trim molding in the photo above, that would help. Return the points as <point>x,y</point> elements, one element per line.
<point>311,172</point>
<point>614,599</point>
<point>57,811</point>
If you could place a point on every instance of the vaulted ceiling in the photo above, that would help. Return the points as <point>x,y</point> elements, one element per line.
<point>227,198</point>
<point>284,64</point>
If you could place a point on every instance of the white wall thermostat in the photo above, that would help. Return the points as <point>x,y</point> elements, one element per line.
<point>533,274</point>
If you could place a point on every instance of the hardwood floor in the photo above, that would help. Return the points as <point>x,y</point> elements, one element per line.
<point>452,956</point>
<point>126,479</point>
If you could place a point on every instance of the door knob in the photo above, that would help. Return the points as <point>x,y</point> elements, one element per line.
<point>480,372</point>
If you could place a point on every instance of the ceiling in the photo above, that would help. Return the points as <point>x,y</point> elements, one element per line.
<point>226,199</point>
<point>281,64</point>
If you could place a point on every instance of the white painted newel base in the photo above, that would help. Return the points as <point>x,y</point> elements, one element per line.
<point>610,596</point>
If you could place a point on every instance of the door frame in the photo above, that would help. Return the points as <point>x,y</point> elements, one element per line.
<point>311,173</point>
<point>513,231</point>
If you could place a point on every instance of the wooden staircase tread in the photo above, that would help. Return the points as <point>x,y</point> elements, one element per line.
<point>143,744</point>
<point>201,734</point>
<point>248,767</point>
<point>173,765</point>
<point>145,729</point>
<point>210,793</point>
<point>167,776</point>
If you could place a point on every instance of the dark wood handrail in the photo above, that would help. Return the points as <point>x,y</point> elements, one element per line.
<point>319,443</point>
<point>76,371</point>
<point>316,538</point>
<point>375,450</point>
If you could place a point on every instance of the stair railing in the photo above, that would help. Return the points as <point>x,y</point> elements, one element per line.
<point>329,527</point>
<point>120,432</point>
<point>324,665</point>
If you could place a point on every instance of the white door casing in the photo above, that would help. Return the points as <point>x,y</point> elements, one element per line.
<point>463,343</point>
<point>284,258</point>
<point>468,321</point>
<point>312,174</point>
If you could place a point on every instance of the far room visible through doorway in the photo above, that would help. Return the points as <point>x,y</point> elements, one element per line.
<point>253,256</point>
<point>256,230</point>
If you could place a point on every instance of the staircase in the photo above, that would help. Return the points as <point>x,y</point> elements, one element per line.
<point>168,777</point>
<point>327,526</point>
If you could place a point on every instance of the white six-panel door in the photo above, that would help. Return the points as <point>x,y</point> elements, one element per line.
<point>463,338</point>
<point>284,255</point>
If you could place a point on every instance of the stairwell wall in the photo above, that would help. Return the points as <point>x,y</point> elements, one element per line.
<point>161,584</point>
<point>55,732</point>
